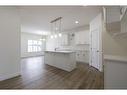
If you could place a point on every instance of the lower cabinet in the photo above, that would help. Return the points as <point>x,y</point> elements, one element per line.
<point>82,56</point>
<point>64,61</point>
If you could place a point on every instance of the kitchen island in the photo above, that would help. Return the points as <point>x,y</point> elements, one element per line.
<point>65,60</point>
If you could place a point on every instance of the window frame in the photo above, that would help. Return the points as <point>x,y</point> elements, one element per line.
<point>34,46</point>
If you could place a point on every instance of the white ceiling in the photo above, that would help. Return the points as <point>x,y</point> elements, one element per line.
<point>36,19</point>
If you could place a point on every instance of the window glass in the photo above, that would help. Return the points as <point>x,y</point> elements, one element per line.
<point>29,42</point>
<point>34,46</point>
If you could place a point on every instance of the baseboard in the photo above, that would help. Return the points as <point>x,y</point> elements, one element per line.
<point>5,77</point>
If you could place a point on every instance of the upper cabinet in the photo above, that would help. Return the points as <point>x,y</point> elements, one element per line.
<point>82,37</point>
<point>64,39</point>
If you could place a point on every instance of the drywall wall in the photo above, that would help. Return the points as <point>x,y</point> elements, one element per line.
<point>24,44</point>
<point>114,46</point>
<point>9,42</point>
<point>115,74</point>
<point>114,70</point>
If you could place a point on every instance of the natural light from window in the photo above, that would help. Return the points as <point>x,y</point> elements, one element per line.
<point>34,46</point>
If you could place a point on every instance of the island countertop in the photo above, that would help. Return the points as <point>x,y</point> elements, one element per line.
<point>60,51</point>
<point>65,60</point>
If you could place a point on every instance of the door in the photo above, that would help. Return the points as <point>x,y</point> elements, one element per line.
<point>96,42</point>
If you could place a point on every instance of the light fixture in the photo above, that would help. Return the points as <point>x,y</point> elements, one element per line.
<point>56,28</point>
<point>43,39</point>
<point>51,36</point>
<point>55,35</point>
<point>60,34</point>
<point>76,22</point>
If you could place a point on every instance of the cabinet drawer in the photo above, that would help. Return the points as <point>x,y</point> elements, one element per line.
<point>82,56</point>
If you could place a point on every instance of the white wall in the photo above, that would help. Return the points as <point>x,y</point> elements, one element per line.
<point>115,74</point>
<point>9,42</point>
<point>114,70</point>
<point>113,45</point>
<point>24,43</point>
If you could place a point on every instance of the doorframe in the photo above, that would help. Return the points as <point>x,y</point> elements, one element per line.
<point>100,44</point>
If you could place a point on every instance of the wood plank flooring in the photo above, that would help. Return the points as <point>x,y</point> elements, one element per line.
<point>37,75</point>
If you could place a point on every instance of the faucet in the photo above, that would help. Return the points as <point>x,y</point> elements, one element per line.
<point>56,49</point>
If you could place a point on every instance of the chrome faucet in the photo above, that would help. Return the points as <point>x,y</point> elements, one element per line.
<point>56,49</point>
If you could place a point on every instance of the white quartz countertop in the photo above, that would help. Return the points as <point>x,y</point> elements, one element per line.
<point>115,58</point>
<point>60,51</point>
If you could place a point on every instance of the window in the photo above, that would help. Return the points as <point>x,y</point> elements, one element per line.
<point>34,46</point>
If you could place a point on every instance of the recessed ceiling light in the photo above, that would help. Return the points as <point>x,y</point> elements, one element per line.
<point>76,22</point>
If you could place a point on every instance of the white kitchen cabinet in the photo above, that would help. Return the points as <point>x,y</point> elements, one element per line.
<point>64,60</point>
<point>77,38</point>
<point>82,37</point>
<point>64,39</point>
<point>82,56</point>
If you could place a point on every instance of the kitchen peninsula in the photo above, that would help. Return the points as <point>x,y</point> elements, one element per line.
<point>65,60</point>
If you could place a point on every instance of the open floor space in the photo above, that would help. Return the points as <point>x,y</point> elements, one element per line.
<point>37,75</point>
<point>63,47</point>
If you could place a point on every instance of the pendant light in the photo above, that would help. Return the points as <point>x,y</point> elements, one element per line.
<point>56,28</point>
<point>60,34</point>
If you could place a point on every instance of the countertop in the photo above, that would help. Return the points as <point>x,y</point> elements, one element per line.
<point>60,51</point>
<point>115,58</point>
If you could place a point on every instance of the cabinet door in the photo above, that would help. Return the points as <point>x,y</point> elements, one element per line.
<point>78,38</point>
<point>82,56</point>
<point>85,37</point>
<point>64,39</point>
<point>77,56</point>
<point>85,56</point>
<point>82,37</point>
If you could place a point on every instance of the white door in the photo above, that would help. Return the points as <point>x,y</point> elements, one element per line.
<point>96,42</point>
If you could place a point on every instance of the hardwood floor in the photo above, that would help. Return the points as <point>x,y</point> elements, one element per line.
<point>37,75</point>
